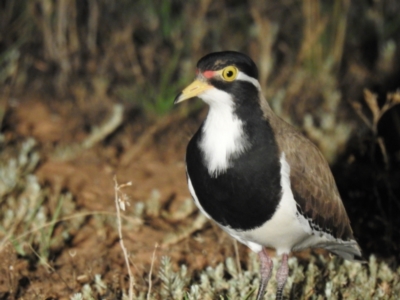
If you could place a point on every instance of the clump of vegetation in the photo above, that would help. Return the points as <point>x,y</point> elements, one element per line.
<point>20,192</point>
<point>28,210</point>
<point>318,278</point>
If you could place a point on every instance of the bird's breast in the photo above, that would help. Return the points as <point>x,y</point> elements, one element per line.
<point>222,139</point>
<point>246,193</point>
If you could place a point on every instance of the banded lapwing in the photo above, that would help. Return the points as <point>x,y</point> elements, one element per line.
<point>255,175</point>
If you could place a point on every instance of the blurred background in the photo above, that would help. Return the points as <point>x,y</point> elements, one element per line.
<point>87,90</point>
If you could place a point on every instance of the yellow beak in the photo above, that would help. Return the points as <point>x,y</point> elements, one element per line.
<point>192,90</point>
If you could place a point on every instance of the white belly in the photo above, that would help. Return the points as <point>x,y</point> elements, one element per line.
<point>287,230</point>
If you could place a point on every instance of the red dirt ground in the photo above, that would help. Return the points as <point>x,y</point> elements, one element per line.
<point>94,246</point>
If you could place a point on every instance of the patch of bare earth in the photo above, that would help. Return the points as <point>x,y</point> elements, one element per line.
<point>157,173</point>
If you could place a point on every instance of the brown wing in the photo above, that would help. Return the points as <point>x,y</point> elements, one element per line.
<point>314,187</point>
<point>312,182</point>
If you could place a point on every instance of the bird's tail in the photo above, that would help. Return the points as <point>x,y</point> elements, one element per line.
<point>349,250</point>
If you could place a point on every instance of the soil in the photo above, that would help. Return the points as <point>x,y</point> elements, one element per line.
<point>150,155</point>
<point>94,247</point>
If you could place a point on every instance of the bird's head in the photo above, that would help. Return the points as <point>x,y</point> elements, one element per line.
<point>223,77</point>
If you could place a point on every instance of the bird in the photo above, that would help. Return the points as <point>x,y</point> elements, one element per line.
<point>258,177</point>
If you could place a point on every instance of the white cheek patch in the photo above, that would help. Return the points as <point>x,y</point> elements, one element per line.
<point>243,77</point>
<point>223,135</point>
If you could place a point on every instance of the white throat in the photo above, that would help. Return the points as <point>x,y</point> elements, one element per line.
<point>223,136</point>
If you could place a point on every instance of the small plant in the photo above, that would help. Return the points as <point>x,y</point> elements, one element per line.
<point>121,200</point>
<point>320,278</point>
<point>173,283</point>
<point>392,99</point>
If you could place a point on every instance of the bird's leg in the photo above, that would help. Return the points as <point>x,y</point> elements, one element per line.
<point>281,276</point>
<point>266,265</point>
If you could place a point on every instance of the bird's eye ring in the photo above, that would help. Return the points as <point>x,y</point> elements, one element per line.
<point>229,73</point>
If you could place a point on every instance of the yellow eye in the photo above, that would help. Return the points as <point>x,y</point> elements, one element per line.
<point>229,73</point>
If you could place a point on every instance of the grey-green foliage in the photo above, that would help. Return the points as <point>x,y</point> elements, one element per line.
<point>320,278</point>
<point>18,166</point>
<point>87,291</point>
<point>24,218</point>
<point>20,192</point>
<point>214,284</point>
<point>173,283</point>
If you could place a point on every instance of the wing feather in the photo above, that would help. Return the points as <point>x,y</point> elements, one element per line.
<point>312,182</point>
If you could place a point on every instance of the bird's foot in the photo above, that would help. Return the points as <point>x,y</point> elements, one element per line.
<point>281,276</point>
<point>266,266</point>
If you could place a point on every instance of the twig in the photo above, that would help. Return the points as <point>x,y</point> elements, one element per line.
<point>174,238</point>
<point>371,99</point>
<point>239,267</point>
<point>120,204</point>
<point>151,271</point>
<point>145,140</point>
<point>147,137</point>
<point>7,238</point>
<point>265,42</point>
<point>45,263</point>
<point>99,133</point>
<point>64,153</point>
<point>382,146</point>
